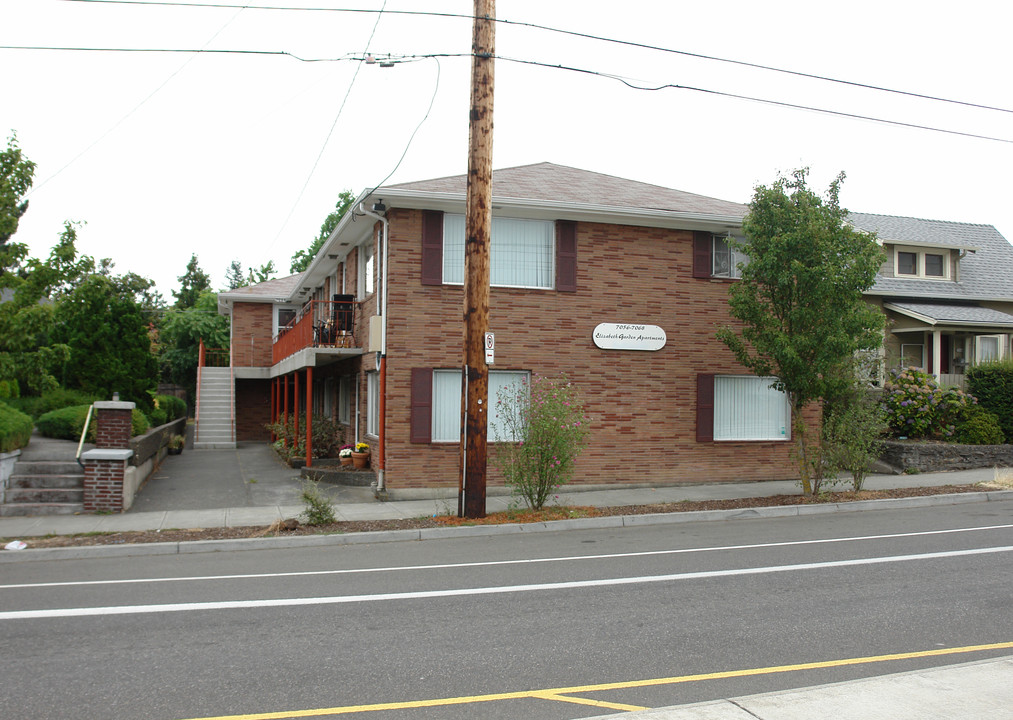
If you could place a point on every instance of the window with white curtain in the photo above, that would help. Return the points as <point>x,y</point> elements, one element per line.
<point>521,254</point>
<point>747,408</point>
<point>373,404</point>
<point>725,259</point>
<point>989,348</point>
<point>447,403</point>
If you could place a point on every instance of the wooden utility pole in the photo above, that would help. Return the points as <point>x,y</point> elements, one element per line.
<point>475,385</point>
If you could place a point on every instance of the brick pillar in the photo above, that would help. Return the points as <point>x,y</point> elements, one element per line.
<point>104,467</point>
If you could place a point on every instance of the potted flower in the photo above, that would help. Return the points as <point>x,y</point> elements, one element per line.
<point>345,454</point>
<point>360,455</point>
<point>176,443</point>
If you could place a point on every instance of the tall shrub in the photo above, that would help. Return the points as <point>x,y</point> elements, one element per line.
<point>547,420</point>
<point>992,384</point>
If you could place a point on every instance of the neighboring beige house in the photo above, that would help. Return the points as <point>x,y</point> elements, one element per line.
<point>947,291</point>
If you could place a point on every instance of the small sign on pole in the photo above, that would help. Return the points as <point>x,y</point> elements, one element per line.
<point>490,347</point>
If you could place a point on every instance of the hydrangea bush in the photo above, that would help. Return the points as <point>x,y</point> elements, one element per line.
<point>916,407</point>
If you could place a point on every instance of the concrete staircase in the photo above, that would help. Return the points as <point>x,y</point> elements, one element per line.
<point>215,424</point>
<point>46,480</point>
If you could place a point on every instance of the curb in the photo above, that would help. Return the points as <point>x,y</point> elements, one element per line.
<point>441,533</point>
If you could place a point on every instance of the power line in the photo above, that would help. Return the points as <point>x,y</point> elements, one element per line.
<point>574,33</point>
<point>569,68</point>
<point>330,132</point>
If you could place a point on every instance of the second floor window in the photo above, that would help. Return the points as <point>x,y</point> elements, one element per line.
<point>522,252</point>
<point>909,262</point>
<point>726,259</point>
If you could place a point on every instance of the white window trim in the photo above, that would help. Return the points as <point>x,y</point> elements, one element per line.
<point>367,269</point>
<point>920,254</point>
<point>923,365</point>
<point>492,402</point>
<point>551,271</point>
<point>785,434</point>
<point>1000,341</point>
<point>735,258</point>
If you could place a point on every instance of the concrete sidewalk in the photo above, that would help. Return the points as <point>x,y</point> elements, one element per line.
<point>250,486</point>
<point>971,690</point>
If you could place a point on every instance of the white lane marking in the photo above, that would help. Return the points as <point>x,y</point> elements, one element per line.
<point>424,594</point>
<point>492,563</point>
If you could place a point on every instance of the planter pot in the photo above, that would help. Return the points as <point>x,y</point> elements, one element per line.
<point>175,451</point>
<point>360,460</point>
<point>346,460</point>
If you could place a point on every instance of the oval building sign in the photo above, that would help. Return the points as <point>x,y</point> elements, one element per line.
<point>629,336</point>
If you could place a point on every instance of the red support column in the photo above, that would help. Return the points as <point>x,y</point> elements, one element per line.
<point>295,419</point>
<point>285,391</point>
<point>309,417</point>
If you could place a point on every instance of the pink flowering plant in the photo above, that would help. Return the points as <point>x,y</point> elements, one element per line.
<point>916,407</point>
<point>545,427</point>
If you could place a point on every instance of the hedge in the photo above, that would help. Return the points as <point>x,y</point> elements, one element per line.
<point>67,423</point>
<point>992,384</point>
<point>15,428</point>
<point>37,406</point>
<point>173,406</point>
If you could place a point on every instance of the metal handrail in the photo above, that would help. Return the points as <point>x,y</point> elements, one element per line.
<point>196,404</point>
<point>84,434</point>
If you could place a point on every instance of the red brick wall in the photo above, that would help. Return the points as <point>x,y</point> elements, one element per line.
<point>252,334</point>
<point>103,485</point>
<point>643,404</point>
<point>112,428</point>
<point>253,410</point>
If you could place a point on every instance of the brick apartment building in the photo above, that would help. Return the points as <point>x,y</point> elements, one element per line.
<point>575,255</point>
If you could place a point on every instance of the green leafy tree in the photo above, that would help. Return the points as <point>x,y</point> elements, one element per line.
<point>107,332</point>
<point>181,333</point>
<point>192,283</point>
<point>234,277</point>
<point>16,175</point>
<point>302,259</point>
<point>264,272</point>
<point>28,353</point>
<point>800,301</point>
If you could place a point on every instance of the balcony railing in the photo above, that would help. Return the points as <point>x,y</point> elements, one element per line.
<point>320,323</point>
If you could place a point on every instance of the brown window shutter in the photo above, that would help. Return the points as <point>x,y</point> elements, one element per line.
<point>701,254</point>
<point>704,407</point>
<point>566,256</point>
<point>432,247</point>
<point>422,406</point>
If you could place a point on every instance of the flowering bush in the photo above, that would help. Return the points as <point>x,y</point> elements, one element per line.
<point>917,407</point>
<point>361,447</point>
<point>548,422</point>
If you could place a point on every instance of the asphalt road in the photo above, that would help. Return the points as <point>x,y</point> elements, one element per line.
<point>499,620</point>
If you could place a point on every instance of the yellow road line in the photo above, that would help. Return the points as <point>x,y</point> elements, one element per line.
<point>553,693</point>
<point>587,701</point>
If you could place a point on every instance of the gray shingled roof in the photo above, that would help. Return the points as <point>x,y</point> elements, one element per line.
<point>274,288</point>
<point>963,314</point>
<point>558,183</point>
<point>986,274</point>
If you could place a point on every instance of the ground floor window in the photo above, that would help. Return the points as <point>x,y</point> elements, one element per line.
<point>989,348</point>
<point>740,407</point>
<point>446,404</point>
<point>344,399</point>
<point>747,408</point>
<point>373,404</point>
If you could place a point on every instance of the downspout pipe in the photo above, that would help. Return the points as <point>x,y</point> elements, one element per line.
<point>381,483</point>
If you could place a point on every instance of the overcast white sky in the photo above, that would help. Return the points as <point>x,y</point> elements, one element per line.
<point>164,155</point>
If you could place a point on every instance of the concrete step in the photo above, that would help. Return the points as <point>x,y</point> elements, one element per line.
<point>217,445</point>
<point>19,480</point>
<point>48,467</point>
<point>26,509</point>
<point>46,496</point>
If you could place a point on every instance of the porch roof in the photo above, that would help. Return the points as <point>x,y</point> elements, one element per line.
<point>936,314</point>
